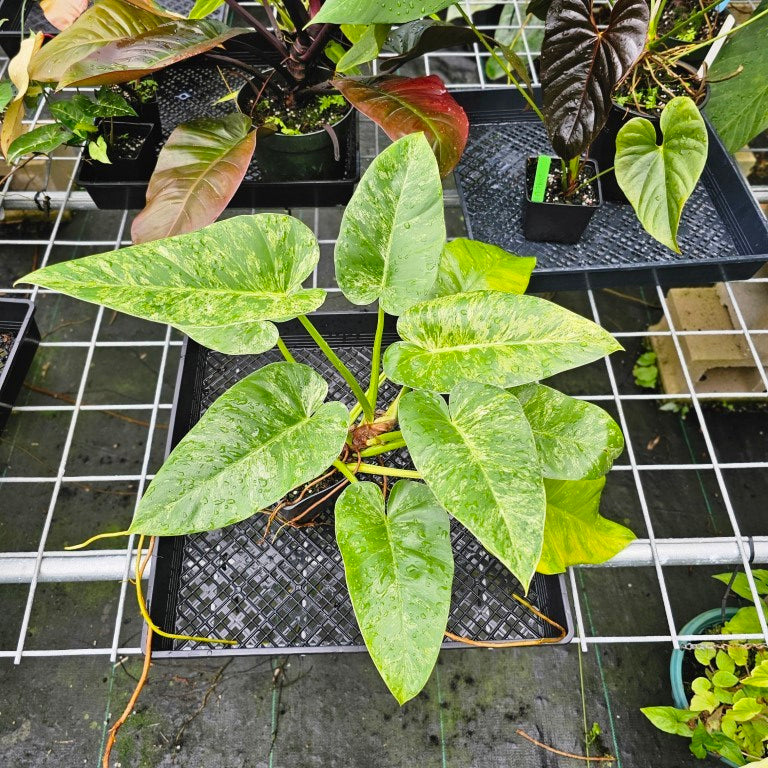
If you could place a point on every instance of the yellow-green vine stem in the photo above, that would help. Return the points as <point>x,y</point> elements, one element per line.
<point>334,360</point>
<point>373,387</point>
<point>286,353</point>
<point>375,469</point>
<point>376,450</point>
<point>342,467</point>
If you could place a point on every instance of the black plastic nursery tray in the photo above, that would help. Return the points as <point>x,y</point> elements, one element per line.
<point>17,321</point>
<point>289,594</point>
<point>35,21</point>
<point>723,234</point>
<point>187,91</point>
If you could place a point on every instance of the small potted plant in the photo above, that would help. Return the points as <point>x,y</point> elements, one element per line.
<point>720,690</point>
<point>19,337</point>
<point>519,464</point>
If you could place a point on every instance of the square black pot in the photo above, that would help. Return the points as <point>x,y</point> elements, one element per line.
<point>557,222</point>
<point>16,320</point>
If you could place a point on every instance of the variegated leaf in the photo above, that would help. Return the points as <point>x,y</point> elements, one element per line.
<point>399,569</point>
<point>478,456</point>
<point>491,337</point>
<point>575,439</point>
<point>393,229</point>
<point>269,433</point>
<point>236,272</point>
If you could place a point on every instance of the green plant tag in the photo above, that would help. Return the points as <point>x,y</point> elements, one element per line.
<point>540,180</point>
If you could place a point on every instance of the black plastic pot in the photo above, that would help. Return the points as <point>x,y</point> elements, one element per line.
<point>16,320</point>
<point>603,149</point>
<point>130,148</point>
<point>288,593</point>
<point>305,157</point>
<point>556,222</point>
<point>190,90</point>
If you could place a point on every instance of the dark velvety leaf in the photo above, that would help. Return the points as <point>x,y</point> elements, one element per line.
<point>399,568</point>
<point>378,12</point>
<point>416,38</point>
<point>538,8</point>
<point>403,105</point>
<point>198,171</point>
<point>580,67</point>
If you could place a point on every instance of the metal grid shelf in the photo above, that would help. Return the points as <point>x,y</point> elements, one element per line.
<point>639,480</point>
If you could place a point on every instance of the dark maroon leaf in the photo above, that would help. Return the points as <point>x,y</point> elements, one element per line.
<point>403,105</point>
<point>416,38</point>
<point>538,8</point>
<point>581,65</point>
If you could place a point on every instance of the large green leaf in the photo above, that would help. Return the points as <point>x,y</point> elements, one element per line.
<point>105,22</point>
<point>42,140</point>
<point>269,433</point>
<point>471,265</point>
<point>491,337</point>
<point>658,179</point>
<point>478,456</point>
<point>128,59</point>
<point>364,49</point>
<point>738,106</point>
<point>198,171</point>
<point>575,532</point>
<point>399,569</point>
<point>393,229</point>
<point>381,12</point>
<point>582,64</point>
<point>405,105</point>
<point>575,439</point>
<point>239,273</point>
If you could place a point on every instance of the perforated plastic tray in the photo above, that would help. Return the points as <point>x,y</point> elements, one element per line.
<point>289,594</point>
<point>16,319</point>
<point>723,234</point>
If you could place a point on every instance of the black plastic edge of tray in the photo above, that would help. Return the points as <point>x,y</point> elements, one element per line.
<point>115,194</point>
<point>17,316</point>
<point>727,187</point>
<point>166,558</point>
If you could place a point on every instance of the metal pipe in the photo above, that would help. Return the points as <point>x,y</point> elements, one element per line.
<point>109,564</point>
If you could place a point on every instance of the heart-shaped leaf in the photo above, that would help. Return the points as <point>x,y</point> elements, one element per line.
<point>104,22</point>
<point>470,265</point>
<point>491,337</point>
<point>659,179</point>
<point>581,65</point>
<point>738,106</point>
<point>575,439</point>
<point>63,13</point>
<point>412,40</point>
<point>381,12</point>
<point>269,433</point>
<point>399,570</point>
<point>198,171</point>
<point>575,532</point>
<point>43,139</point>
<point>133,57</point>
<point>393,229</point>
<point>236,272</point>
<point>404,105</point>
<point>478,456</point>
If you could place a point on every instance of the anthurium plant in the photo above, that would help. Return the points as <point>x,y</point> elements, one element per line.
<point>519,464</point>
<point>727,714</point>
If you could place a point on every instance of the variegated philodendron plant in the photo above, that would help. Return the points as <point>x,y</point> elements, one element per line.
<point>519,464</point>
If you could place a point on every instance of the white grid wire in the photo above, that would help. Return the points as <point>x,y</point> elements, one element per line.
<point>475,60</point>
